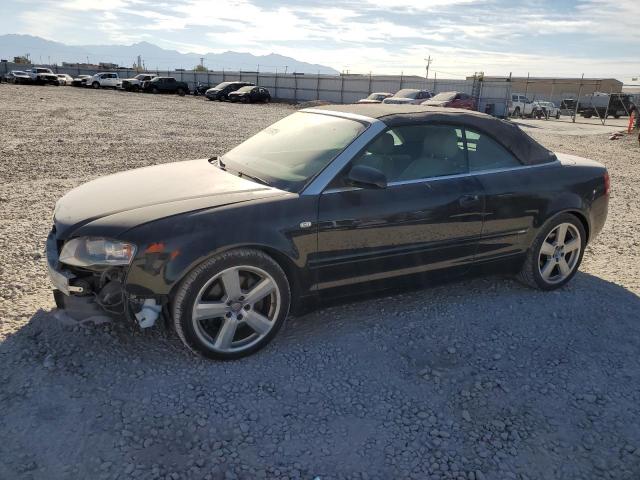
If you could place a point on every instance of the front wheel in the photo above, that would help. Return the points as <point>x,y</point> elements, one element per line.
<point>180,92</point>
<point>555,255</point>
<point>232,305</point>
<point>95,85</point>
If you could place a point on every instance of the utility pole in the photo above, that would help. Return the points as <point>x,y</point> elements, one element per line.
<point>428,60</point>
<point>202,62</point>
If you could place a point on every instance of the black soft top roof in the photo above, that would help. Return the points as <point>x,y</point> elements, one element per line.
<point>525,148</point>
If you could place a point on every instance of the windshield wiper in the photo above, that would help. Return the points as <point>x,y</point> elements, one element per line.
<point>254,178</point>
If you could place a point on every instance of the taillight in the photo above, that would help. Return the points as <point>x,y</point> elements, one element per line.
<point>607,184</point>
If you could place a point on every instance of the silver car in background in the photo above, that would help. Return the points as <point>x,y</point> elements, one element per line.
<point>409,96</point>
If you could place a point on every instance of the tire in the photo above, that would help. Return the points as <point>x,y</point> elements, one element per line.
<point>154,90</point>
<point>267,99</point>
<point>516,112</point>
<point>95,85</point>
<point>225,332</point>
<point>180,92</point>
<point>542,268</point>
<point>557,115</point>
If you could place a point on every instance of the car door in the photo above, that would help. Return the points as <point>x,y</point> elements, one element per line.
<point>429,217</point>
<point>511,196</point>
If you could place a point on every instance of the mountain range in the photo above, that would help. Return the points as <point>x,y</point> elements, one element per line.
<point>44,51</point>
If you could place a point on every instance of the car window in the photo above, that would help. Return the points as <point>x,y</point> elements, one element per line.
<point>487,154</point>
<point>413,152</point>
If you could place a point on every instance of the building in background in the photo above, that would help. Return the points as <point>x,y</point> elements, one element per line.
<point>555,89</point>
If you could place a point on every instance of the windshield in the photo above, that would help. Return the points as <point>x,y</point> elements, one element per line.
<point>444,96</point>
<point>289,152</point>
<point>141,76</point>
<point>407,93</point>
<point>220,86</point>
<point>244,89</point>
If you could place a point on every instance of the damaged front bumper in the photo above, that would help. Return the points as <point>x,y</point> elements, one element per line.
<point>60,278</point>
<point>94,297</point>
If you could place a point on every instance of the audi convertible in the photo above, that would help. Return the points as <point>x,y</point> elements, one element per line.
<point>328,201</point>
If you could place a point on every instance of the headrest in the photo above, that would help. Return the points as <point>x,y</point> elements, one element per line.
<point>383,145</point>
<point>441,142</point>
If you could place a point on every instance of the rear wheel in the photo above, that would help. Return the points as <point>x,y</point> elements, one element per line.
<point>232,305</point>
<point>155,90</point>
<point>556,253</point>
<point>95,85</point>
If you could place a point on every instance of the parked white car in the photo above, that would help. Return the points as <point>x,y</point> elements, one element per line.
<point>135,83</point>
<point>409,96</point>
<point>103,80</point>
<point>546,109</point>
<point>64,79</point>
<point>43,76</point>
<point>520,106</point>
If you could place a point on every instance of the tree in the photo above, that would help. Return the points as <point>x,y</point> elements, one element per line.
<point>199,68</point>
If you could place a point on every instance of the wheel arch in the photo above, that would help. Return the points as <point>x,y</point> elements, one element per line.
<point>285,262</point>
<point>583,219</point>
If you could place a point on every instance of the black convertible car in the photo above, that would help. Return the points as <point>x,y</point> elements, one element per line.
<point>329,200</point>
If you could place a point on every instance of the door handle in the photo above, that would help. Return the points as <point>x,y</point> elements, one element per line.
<point>468,200</point>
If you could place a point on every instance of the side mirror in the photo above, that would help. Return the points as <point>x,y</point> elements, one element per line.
<point>366,177</point>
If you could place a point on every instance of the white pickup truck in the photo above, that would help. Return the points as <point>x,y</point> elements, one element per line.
<point>520,106</point>
<point>43,76</point>
<point>103,80</point>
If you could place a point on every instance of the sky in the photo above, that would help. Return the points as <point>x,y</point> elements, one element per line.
<point>600,38</point>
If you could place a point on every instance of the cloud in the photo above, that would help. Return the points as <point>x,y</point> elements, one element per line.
<point>463,36</point>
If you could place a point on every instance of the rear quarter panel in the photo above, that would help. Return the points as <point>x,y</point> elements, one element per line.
<point>519,203</point>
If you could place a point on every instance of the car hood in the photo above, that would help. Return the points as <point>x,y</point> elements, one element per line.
<point>436,103</point>
<point>398,100</point>
<point>111,205</point>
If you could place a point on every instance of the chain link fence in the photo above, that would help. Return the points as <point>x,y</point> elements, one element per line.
<point>533,97</point>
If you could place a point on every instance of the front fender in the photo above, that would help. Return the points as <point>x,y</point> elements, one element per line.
<point>170,248</point>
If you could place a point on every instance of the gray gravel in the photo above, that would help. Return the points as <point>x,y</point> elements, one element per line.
<point>483,379</point>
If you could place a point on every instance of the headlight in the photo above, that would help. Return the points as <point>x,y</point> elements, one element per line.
<point>88,251</point>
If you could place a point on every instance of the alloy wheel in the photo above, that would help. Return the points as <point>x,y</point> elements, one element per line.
<point>559,253</point>
<point>236,308</point>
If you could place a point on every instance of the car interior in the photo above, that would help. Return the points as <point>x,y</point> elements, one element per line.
<point>424,151</point>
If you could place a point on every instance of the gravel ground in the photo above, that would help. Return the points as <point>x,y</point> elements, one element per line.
<point>483,379</point>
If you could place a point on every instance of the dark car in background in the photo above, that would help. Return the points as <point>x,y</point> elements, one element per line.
<point>165,85</point>
<point>201,88</point>
<point>376,97</point>
<point>452,100</point>
<point>333,200</point>
<point>222,90</point>
<point>18,77</point>
<point>250,94</point>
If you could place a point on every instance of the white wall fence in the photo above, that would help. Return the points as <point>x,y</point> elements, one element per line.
<point>332,88</point>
